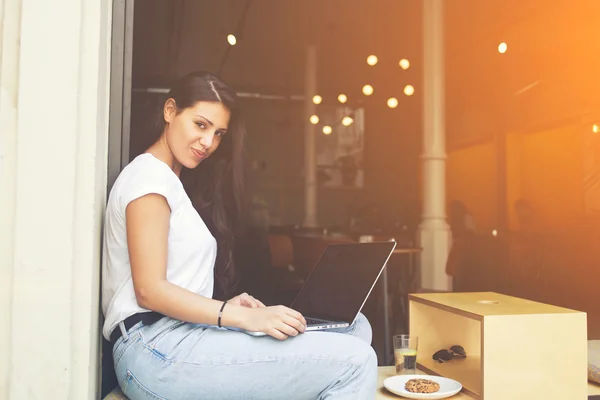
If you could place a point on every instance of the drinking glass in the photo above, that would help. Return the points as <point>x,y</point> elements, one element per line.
<point>405,354</point>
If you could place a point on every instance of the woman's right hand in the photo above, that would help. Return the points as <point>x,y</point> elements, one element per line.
<point>279,322</point>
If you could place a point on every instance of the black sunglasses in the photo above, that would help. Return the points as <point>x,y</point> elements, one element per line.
<point>448,355</point>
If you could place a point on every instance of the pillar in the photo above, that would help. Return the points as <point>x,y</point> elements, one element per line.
<point>310,150</point>
<point>434,232</point>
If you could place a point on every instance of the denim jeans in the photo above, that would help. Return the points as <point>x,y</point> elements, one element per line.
<point>175,360</point>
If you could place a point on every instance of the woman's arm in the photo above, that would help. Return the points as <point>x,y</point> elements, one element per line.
<point>147,239</point>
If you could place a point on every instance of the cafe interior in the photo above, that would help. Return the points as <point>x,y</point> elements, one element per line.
<point>466,131</point>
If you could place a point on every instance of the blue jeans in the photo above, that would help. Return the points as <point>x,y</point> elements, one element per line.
<point>174,360</point>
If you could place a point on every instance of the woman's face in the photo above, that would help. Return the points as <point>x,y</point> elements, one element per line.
<point>196,132</point>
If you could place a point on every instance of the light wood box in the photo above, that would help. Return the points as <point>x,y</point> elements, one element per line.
<point>517,349</point>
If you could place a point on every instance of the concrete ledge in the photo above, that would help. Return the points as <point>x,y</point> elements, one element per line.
<point>116,394</point>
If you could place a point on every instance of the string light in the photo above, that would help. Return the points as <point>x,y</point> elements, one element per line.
<point>368,90</point>
<point>231,39</point>
<point>502,47</point>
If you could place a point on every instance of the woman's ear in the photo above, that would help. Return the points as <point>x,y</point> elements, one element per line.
<point>169,110</point>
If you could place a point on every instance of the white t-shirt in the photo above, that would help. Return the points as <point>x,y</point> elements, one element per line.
<point>192,249</point>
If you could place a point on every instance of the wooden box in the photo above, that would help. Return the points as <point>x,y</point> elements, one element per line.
<point>516,349</point>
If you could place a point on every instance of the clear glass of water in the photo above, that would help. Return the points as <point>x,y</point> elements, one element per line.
<point>405,354</point>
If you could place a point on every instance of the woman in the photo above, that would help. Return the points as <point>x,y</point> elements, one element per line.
<point>161,261</point>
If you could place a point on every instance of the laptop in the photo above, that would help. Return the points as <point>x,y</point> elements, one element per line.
<point>340,283</point>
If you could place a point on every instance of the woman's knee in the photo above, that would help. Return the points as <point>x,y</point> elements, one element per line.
<point>366,360</point>
<point>368,355</point>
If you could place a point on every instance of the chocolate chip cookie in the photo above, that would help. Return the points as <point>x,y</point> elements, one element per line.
<point>421,386</point>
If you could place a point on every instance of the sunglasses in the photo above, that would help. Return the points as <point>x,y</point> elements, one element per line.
<point>448,355</point>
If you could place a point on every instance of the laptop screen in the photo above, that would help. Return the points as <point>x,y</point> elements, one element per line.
<point>341,281</point>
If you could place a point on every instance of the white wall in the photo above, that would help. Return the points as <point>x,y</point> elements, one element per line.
<point>53,157</point>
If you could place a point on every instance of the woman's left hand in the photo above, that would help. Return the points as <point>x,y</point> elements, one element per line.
<point>245,300</point>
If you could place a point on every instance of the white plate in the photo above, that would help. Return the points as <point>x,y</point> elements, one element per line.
<point>448,387</point>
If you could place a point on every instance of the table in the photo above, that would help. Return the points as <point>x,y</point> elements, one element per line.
<point>387,339</point>
<point>386,372</point>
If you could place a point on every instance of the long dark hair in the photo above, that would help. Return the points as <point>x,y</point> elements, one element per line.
<point>216,186</point>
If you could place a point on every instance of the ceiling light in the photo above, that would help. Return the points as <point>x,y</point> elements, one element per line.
<point>231,39</point>
<point>342,98</point>
<point>367,90</point>
<point>404,63</point>
<point>409,90</point>
<point>317,99</point>
<point>314,119</point>
<point>392,102</point>
<point>595,128</point>
<point>347,121</point>
<point>372,60</point>
<point>327,130</point>
<point>502,47</point>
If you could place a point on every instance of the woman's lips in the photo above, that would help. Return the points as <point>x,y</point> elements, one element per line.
<point>199,154</point>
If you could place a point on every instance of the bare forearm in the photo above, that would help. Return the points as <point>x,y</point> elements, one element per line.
<point>179,303</point>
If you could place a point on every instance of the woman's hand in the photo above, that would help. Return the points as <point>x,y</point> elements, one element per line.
<point>245,300</point>
<point>279,322</point>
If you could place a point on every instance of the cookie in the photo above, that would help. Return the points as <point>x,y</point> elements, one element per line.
<point>421,386</point>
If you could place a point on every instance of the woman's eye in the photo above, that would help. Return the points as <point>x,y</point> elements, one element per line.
<point>218,133</point>
<point>201,125</point>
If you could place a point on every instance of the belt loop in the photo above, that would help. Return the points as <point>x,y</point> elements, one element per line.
<point>123,331</point>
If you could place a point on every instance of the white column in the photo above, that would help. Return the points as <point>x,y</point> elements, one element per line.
<point>434,233</point>
<point>10,19</point>
<point>52,193</point>
<point>310,151</point>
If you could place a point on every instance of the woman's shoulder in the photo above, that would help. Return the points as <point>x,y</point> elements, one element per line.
<point>147,163</point>
<point>145,169</point>
<point>146,174</point>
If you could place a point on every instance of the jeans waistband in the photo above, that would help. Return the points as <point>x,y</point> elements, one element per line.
<point>147,318</point>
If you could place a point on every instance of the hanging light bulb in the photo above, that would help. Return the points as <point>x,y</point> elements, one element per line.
<point>342,98</point>
<point>317,99</point>
<point>314,119</point>
<point>409,90</point>
<point>372,60</point>
<point>502,47</point>
<point>347,121</point>
<point>231,39</point>
<point>327,130</point>
<point>392,102</point>
<point>404,63</point>
<point>367,90</point>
